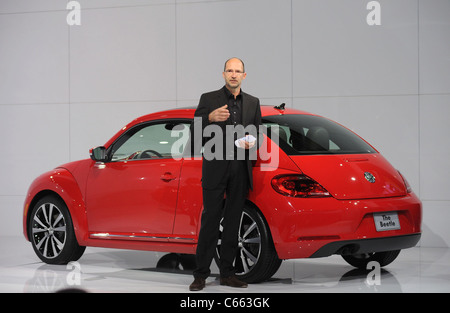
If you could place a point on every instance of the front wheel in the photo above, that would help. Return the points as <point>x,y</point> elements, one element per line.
<point>361,260</point>
<point>51,232</point>
<point>256,258</point>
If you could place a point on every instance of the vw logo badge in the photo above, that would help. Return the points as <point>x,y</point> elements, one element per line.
<point>369,177</point>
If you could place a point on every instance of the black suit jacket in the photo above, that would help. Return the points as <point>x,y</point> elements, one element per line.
<point>213,170</point>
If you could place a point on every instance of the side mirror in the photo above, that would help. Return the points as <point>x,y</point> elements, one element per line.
<point>98,154</point>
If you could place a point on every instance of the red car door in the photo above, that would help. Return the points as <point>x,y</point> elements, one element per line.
<point>134,196</point>
<point>190,201</point>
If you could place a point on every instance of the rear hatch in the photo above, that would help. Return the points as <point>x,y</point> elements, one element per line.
<point>353,176</point>
<point>335,157</point>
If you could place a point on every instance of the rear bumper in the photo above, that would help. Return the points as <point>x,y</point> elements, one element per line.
<point>304,228</point>
<point>360,246</point>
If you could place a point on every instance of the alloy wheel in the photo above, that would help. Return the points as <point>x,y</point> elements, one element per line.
<point>48,230</point>
<point>249,244</point>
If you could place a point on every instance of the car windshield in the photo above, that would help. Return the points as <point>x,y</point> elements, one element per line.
<point>308,134</point>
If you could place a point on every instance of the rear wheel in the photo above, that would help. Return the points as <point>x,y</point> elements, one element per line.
<point>51,232</point>
<point>256,258</point>
<point>361,260</point>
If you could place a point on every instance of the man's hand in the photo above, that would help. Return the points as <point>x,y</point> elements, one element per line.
<point>246,145</point>
<point>246,142</point>
<point>219,115</point>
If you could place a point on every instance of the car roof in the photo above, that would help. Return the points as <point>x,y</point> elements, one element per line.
<point>188,112</point>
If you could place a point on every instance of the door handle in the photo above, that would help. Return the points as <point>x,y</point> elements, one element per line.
<point>167,177</point>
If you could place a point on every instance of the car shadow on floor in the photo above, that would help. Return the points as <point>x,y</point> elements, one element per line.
<point>50,278</point>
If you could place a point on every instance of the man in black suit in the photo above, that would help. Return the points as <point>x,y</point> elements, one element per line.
<point>229,114</point>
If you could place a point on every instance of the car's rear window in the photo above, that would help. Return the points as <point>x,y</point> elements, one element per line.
<point>308,134</point>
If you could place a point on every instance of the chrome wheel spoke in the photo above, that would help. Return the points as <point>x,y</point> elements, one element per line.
<point>50,211</point>
<point>54,247</point>
<point>244,262</point>
<point>39,222</point>
<point>255,240</point>
<point>61,228</point>
<point>59,244</point>
<point>38,230</point>
<point>44,253</point>
<point>43,240</point>
<point>249,255</point>
<point>60,216</point>
<point>249,230</point>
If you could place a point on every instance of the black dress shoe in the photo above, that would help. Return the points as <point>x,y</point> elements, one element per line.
<point>197,285</point>
<point>232,281</point>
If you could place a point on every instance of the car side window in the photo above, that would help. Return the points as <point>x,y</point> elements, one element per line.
<point>152,140</point>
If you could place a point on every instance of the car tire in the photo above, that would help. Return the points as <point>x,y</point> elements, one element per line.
<point>361,260</point>
<point>51,232</point>
<point>256,258</point>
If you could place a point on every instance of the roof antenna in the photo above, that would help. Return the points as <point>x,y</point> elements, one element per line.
<point>280,107</point>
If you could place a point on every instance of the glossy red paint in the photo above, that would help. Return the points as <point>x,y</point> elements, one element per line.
<point>156,204</point>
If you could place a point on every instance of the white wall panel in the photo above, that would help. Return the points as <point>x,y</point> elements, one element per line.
<point>435,147</point>
<point>16,6</point>
<point>258,31</point>
<point>34,58</point>
<point>123,54</point>
<point>121,3</point>
<point>336,53</point>
<point>436,232</point>
<point>434,46</point>
<point>35,139</point>
<point>11,211</point>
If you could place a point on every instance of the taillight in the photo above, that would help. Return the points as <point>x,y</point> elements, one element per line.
<point>300,186</point>
<point>407,186</point>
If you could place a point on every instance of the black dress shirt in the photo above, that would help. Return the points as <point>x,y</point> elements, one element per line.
<point>235,107</point>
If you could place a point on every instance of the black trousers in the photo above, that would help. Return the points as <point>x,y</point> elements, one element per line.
<point>235,186</point>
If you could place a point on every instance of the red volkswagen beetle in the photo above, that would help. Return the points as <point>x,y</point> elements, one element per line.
<point>326,192</point>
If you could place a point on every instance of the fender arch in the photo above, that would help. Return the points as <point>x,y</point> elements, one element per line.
<point>61,183</point>
<point>257,209</point>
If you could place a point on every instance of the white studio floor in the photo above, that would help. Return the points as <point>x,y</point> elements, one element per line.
<point>416,270</point>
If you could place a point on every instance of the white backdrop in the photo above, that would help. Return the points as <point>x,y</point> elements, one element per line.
<point>65,89</point>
